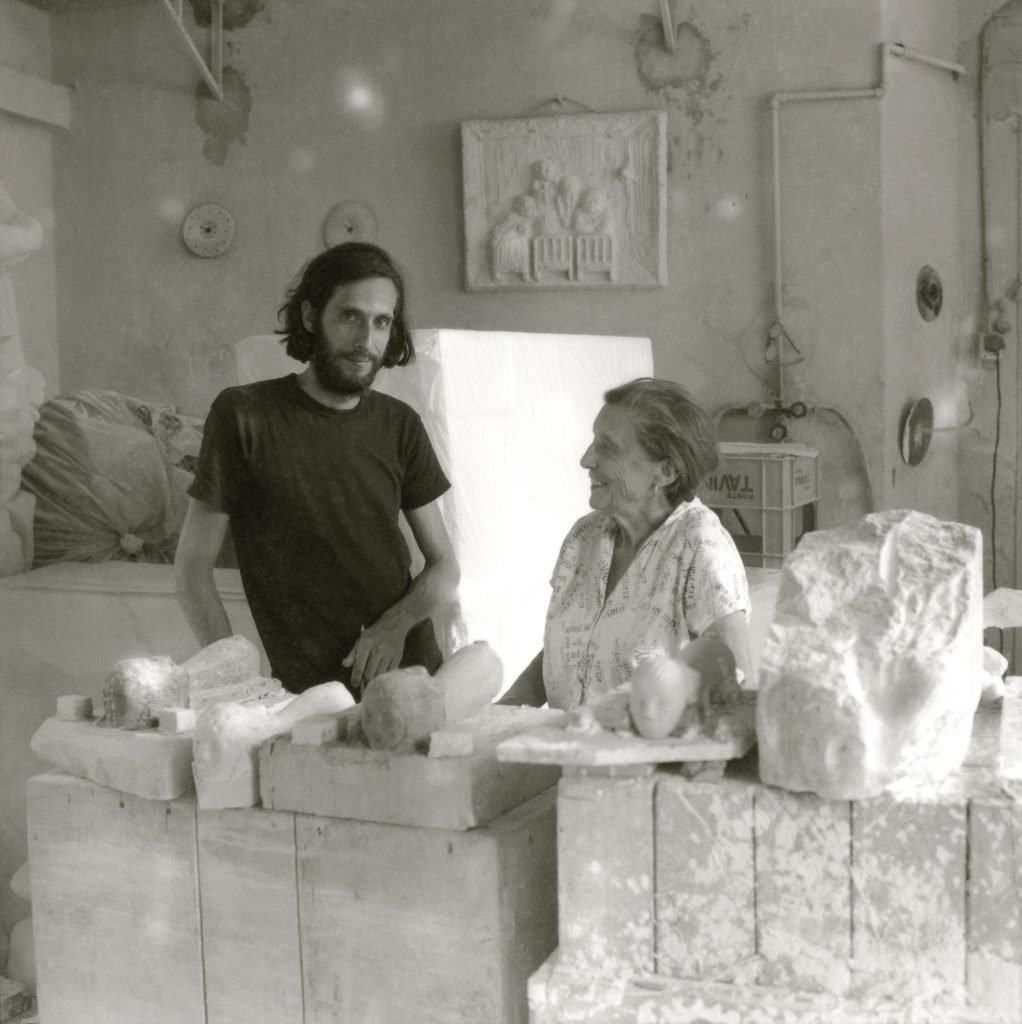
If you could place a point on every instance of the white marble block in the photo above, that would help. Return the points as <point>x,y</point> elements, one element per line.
<point>871,672</point>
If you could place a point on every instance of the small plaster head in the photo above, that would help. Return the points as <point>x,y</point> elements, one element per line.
<point>662,688</point>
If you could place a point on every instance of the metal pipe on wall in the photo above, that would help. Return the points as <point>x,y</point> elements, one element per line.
<point>778,99</point>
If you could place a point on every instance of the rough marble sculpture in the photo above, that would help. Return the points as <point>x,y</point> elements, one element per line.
<point>871,672</point>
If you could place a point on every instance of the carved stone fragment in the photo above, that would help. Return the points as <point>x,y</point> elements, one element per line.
<point>871,672</point>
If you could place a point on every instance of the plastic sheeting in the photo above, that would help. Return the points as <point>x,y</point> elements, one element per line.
<point>109,478</point>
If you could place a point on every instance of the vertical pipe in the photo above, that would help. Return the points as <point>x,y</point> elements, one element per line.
<point>1017,546</point>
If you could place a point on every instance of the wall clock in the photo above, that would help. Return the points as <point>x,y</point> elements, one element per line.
<point>349,222</point>
<point>208,230</point>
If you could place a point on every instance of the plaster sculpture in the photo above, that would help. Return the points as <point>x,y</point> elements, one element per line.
<point>400,709</point>
<point>568,201</point>
<point>871,672</point>
<point>663,690</point>
<point>139,689</point>
<point>228,736</point>
<point>21,394</point>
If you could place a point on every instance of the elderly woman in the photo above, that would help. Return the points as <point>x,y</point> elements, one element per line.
<point>651,568</point>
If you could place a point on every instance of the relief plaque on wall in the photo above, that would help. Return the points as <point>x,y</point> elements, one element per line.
<point>568,201</point>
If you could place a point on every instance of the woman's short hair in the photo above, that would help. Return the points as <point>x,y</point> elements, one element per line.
<point>671,427</point>
<point>315,284</point>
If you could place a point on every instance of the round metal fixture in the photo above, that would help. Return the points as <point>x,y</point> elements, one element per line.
<point>916,431</point>
<point>929,293</point>
<point>208,230</point>
<point>349,222</point>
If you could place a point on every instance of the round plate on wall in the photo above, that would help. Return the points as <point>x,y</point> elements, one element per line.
<point>208,230</point>
<point>349,222</point>
<point>916,431</point>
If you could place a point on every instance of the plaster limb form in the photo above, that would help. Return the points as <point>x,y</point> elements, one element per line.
<point>228,737</point>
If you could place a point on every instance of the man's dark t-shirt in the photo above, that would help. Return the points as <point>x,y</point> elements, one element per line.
<point>313,494</point>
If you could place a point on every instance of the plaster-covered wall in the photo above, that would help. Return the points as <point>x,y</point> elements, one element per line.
<point>990,47</point>
<point>919,218</point>
<point>26,170</point>
<point>363,100</point>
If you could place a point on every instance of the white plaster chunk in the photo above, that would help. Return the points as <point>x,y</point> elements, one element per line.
<point>176,720</point>
<point>74,707</point>
<point>228,736</point>
<point>21,883</point>
<point>872,670</point>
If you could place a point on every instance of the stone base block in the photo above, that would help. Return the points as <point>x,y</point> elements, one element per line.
<point>338,780</point>
<point>146,763</point>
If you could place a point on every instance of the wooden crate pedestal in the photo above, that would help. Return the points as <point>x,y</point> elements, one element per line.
<point>732,902</point>
<point>153,912</point>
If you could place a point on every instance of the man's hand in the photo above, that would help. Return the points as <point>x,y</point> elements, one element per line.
<point>379,649</point>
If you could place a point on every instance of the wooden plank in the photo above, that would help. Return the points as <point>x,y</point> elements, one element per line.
<point>337,780</point>
<point>605,872</point>
<point>526,841</point>
<point>402,924</point>
<point>994,939</point>
<point>35,98</point>
<point>114,905</point>
<point>705,878</point>
<point>249,905</point>
<point>803,894</point>
<point>908,901</point>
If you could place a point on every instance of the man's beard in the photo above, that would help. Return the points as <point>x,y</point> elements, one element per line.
<point>333,375</point>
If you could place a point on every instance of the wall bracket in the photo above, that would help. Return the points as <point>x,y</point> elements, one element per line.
<point>212,73</point>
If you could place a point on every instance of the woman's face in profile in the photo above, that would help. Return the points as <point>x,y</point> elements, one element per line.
<point>621,474</point>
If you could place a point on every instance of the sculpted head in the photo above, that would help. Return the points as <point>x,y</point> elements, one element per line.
<point>661,689</point>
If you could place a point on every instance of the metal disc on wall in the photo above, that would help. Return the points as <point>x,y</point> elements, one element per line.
<point>916,431</point>
<point>349,222</point>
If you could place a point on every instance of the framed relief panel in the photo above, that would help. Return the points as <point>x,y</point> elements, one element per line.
<point>570,201</point>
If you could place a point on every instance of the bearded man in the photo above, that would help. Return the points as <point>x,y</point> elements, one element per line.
<point>309,472</point>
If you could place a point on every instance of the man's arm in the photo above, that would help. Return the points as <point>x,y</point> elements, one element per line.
<point>197,550</point>
<point>528,688</point>
<point>382,643</point>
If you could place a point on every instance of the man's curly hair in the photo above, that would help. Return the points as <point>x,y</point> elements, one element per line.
<point>315,284</point>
